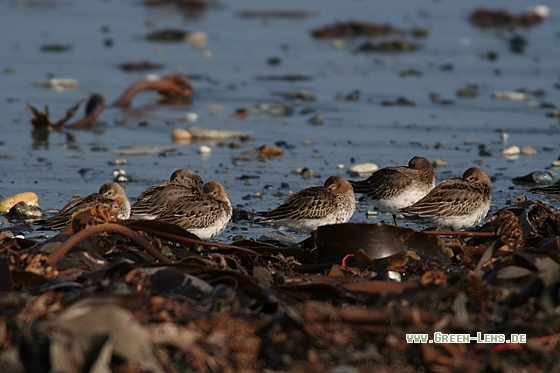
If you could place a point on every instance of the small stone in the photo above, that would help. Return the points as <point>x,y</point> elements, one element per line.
<point>438,163</point>
<point>363,169</point>
<point>555,163</point>
<point>181,136</point>
<point>22,210</point>
<point>307,142</point>
<point>117,162</point>
<point>528,150</point>
<point>191,117</point>
<point>204,150</point>
<point>308,174</point>
<point>512,150</point>
<point>317,120</point>
<point>214,109</point>
<point>340,166</point>
<point>29,198</point>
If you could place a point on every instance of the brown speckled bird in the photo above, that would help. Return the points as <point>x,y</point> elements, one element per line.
<point>309,208</point>
<point>205,215</point>
<point>457,203</point>
<point>110,194</point>
<point>391,189</point>
<point>152,201</point>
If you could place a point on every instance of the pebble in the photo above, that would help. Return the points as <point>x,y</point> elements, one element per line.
<point>438,163</point>
<point>59,84</point>
<point>191,117</point>
<point>363,169</point>
<point>555,163</point>
<point>22,210</point>
<point>29,198</point>
<point>204,150</point>
<point>181,136</point>
<point>512,150</point>
<point>117,162</point>
<point>214,109</point>
<point>528,150</point>
<point>513,96</point>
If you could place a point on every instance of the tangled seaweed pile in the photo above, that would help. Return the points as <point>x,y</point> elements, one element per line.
<point>144,296</point>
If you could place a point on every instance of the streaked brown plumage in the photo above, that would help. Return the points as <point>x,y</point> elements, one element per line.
<point>110,194</point>
<point>155,198</point>
<point>205,215</point>
<point>457,203</point>
<point>391,189</point>
<point>309,208</point>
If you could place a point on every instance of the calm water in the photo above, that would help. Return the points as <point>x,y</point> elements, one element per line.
<point>237,52</point>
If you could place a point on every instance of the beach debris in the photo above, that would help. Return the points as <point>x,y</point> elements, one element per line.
<point>512,150</point>
<point>401,101</point>
<point>215,134</point>
<point>29,198</point>
<point>438,163</point>
<point>172,90</point>
<point>513,96</point>
<point>363,169</point>
<point>301,95</point>
<point>142,150</point>
<point>139,66</point>
<point>502,18</point>
<point>56,47</point>
<point>468,91</point>
<point>353,29</point>
<point>214,109</point>
<point>58,84</point>
<point>287,77</point>
<point>290,14</point>
<point>121,176</point>
<point>42,119</point>
<point>277,108</point>
<point>168,35</point>
<point>528,150</point>
<point>261,153</point>
<point>204,150</point>
<point>22,210</point>
<point>386,46</point>
<point>181,136</point>
<point>539,178</point>
<point>94,107</point>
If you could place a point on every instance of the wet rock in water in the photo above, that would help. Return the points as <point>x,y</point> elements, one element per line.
<point>528,150</point>
<point>121,176</point>
<point>301,95</point>
<point>169,35</point>
<point>517,44</point>
<point>438,163</point>
<point>352,96</point>
<point>215,134</point>
<point>205,150</point>
<point>22,210</point>
<point>139,66</point>
<point>401,101</point>
<point>395,45</point>
<point>535,178</point>
<point>469,91</point>
<point>278,109</point>
<point>483,151</point>
<point>513,96</point>
<point>512,150</point>
<point>56,47</point>
<point>555,163</point>
<point>308,174</point>
<point>317,120</point>
<point>117,162</point>
<point>502,18</point>
<point>363,169</point>
<point>28,198</point>
<point>277,237</point>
